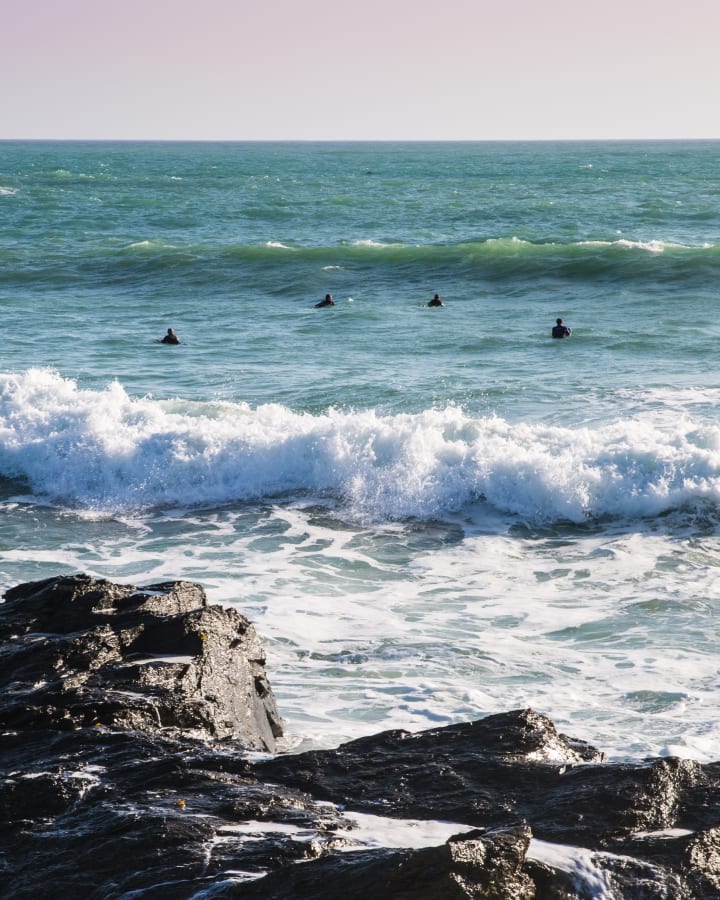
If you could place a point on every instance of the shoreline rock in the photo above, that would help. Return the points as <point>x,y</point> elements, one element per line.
<point>79,652</point>
<point>127,717</point>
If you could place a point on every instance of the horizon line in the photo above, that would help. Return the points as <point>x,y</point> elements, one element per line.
<point>210,140</point>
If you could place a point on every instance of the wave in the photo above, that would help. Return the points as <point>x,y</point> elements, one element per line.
<point>489,250</point>
<point>106,452</point>
<point>493,259</point>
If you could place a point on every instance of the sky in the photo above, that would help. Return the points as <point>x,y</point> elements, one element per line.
<point>359,69</point>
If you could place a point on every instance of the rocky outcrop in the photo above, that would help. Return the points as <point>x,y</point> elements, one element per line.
<point>78,652</point>
<point>504,769</point>
<point>126,715</point>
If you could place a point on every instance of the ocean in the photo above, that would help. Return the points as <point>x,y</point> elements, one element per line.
<point>429,514</point>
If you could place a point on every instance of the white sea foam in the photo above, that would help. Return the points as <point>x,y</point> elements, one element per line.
<point>368,242</point>
<point>588,631</point>
<point>149,245</point>
<point>367,830</point>
<point>654,246</point>
<point>651,246</point>
<point>580,864</point>
<point>103,450</point>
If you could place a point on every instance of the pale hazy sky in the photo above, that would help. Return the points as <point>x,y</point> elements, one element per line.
<point>359,69</point>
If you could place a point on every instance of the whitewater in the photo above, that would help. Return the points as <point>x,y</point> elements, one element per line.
<point>106,452</point>
<point>429,515</point>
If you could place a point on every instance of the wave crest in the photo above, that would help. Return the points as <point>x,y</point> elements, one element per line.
<point>107,452</point>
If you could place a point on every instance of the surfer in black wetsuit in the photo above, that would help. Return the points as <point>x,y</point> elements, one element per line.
<point>328,301</point>
<point>560,330</point>
<point>170,338</point>
<point>436,301</point>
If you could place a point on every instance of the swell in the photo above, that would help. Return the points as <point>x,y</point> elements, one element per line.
<point>494,259</point>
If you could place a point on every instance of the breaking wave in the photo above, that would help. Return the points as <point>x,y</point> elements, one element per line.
<point>104,451</point>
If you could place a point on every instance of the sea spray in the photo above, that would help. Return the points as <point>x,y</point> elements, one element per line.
<point>106,451</point>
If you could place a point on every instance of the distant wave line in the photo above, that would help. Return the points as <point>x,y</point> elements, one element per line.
<point>493,258</point>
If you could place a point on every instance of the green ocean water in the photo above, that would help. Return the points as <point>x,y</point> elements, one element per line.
<point>429,514</point>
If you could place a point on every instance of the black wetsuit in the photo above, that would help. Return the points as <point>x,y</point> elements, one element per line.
<point>561,331</point>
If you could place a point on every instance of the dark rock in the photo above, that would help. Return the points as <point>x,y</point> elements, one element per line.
<point>125,719</point>
<point>492,773</point>
<point>501,770</point>
<point>78,652</point>
<point>475,864</point>
<point>99,813</point>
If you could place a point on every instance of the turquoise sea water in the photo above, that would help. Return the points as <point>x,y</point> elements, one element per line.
<point>429,514</point>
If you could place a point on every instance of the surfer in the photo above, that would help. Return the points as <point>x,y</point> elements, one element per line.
<point>170,338</point>
<point>560,330</point>
<point>328,301</point>
<point>436,301</point>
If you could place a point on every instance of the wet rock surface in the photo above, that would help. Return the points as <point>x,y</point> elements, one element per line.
<point>77,652</point>
<point>129,718</point>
